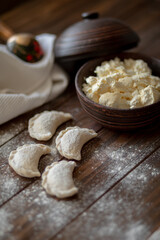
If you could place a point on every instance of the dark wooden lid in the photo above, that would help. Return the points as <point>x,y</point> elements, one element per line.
<point>94,36</point>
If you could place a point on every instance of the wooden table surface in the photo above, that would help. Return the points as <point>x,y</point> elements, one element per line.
<point>119,175</point>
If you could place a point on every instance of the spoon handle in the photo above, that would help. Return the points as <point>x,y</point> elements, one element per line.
<point>5,31</point>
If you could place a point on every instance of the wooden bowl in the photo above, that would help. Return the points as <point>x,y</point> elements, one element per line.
<point>124,119</point>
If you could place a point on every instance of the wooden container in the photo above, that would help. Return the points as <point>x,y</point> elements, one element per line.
<point>103,37</point>
<point>124,119</point>
<point>90,38</point>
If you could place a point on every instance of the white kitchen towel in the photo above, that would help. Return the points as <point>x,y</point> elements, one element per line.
<point>24,86</point>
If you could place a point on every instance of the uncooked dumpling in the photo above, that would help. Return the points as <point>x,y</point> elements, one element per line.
<point>24,160</point>
<point>43,125</point>
<point>70,141</point>
<point>57,179</point>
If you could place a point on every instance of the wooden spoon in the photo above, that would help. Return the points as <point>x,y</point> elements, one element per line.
<point>23,45</point>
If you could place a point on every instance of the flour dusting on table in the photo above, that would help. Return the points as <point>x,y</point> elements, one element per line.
<point>5,225</point>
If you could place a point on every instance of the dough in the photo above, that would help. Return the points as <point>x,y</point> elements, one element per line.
<point>24,160</point>
<point>43,125</point>
<point>70,141</point>
<point>57,179</point>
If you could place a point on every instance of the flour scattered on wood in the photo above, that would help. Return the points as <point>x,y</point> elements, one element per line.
<point>41,211</point>
<point>5,225</point>
<point>122,204</point>
<point>12,130</point>
<point>136,231</point>
<point>124,158</point>
<point>9,186</point>
<point>111,212</point>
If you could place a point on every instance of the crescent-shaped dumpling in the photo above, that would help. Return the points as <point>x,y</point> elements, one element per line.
<point>70,141</point>
<point>57,179</point>
<point>24,160</point>
<point>43,125</point>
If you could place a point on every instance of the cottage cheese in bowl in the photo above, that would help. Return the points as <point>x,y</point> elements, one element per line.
<point>123,84</point>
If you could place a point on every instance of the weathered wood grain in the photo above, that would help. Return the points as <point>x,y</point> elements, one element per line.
<point>106,160</point>
<point>131,210</point>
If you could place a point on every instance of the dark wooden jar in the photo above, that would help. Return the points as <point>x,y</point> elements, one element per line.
<point>90,38</point>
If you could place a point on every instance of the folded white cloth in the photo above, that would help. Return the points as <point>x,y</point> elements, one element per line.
<point>24,86</point>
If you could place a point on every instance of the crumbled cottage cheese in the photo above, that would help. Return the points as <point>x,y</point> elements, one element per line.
<point>123,84</point>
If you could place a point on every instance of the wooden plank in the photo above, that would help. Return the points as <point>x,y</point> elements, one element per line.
<point>50,14</point>
<point>106,160</point>
<point>131,210</point>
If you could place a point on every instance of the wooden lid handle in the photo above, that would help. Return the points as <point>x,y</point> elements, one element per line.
<point>90,15</point>
<point>5,31</point>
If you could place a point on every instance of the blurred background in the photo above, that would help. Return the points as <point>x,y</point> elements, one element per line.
<point>53,16</point>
